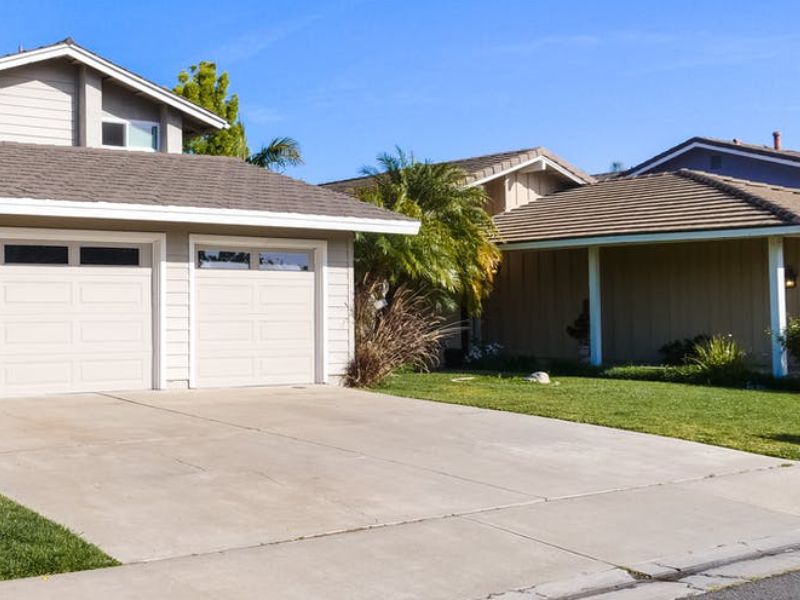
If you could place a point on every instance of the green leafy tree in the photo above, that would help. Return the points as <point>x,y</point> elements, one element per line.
<point>280,153</point>
<point>202,86</point>
<point>453,257</point>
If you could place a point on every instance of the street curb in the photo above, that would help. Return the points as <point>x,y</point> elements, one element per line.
<point>669,569</point>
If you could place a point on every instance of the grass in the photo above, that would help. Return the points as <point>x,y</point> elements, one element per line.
<point>764,422</point>
<point>31,545</point>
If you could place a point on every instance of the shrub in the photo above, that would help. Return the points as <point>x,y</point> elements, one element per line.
<point>404,331</point>
<point>721,360</point>
<point>667,373</point>
<point>791,338</point>
<point>680,352</point>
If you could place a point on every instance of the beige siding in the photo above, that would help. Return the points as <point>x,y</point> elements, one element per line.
<point>38,104</point>
<point>536,295</point>
<point>121,103</point>
<point>655,294</point>
<point>340,335</point>
<point>521,188</point>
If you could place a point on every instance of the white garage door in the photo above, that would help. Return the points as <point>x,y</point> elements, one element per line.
<point>74,317</point>
<point>255,316</point>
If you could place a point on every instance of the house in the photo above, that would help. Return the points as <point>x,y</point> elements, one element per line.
<point>510,179</point>
<point>125,264</point>
<point>734,158</point>
<point>702,239</point>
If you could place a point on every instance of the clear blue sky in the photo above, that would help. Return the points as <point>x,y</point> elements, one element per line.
<point>593,81</point>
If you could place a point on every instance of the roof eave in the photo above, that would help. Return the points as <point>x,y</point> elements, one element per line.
<point>74,52</point>
<point>652,238</point>
<point>190,214</point>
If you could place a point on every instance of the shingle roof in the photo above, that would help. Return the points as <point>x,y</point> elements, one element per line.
<point>94,175</point>
<point>663,202</point>
<point>478,167</point>
<point>767,151</point>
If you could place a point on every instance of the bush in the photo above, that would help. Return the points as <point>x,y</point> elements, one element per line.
<point>791,338</point>
<point>403,332</point>
<point>667,373</point>
<point>680,352</point>
<point>721,361</point>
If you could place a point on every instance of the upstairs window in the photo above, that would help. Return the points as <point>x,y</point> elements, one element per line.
<point>136,135</point>
<point>114,134</point>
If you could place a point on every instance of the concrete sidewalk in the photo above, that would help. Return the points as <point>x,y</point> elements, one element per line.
<point>331,493</point>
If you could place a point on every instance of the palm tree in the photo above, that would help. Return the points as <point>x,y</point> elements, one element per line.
<point>453,257</point>
<point>280,153</point>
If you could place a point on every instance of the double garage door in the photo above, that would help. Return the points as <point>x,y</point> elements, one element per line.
<point>79,316</point>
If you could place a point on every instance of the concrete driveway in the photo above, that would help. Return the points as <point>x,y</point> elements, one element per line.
<point>331,493</point>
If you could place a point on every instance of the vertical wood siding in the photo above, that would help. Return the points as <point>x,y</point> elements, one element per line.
<point>655,294</point>
<point>536,295</point>
<point>38,104</point>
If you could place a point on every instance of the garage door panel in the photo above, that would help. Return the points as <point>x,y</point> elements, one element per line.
<point>75,329</point>
<point>105,371</point>
<point>31,295</point>
<point>254,327</point>
<point>36,333</point>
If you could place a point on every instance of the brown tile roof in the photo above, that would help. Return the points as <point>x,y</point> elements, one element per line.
<point>767,151</point>
<point>663,202</point>
<point>478,167</point>
<point>94,175</point>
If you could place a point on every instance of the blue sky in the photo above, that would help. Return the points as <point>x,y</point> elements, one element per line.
<point>593,81</point>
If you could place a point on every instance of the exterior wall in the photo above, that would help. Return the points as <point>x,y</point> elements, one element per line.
<point>120,103</point>
<point>340,284</point>
<point>655,294</point>
<point>734,166</point>
<point>55,102</point>
<point>38,104</point>
<point>522,188</point>
<point>516,189</point>
<point>537,294</point>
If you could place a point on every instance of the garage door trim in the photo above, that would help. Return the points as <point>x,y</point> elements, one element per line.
<point>158,243</point>
<point>319,252</point>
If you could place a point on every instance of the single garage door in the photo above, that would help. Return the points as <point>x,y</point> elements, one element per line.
<point>75,317</point>
<point>255,317</point>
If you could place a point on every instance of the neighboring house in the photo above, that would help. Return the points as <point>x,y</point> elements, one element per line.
<point>770,164</point>
<point>510,179</point>
<point>125,264</point>
<point>702,239</point>
<point>658,257</point>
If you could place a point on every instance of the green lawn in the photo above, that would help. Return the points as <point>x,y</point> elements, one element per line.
<point>765,422</point>
<point>31,545</point>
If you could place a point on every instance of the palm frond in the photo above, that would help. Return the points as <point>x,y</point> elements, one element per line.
<point>280,153</point>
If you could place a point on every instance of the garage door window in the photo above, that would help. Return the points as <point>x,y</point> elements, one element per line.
<point>284,261</point>
<point>98,255</point>
<point>223,259</point>
<point>25,254</point>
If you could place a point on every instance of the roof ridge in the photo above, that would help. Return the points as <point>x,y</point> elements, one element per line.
<point>768,205</point>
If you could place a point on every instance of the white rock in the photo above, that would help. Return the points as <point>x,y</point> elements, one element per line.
<point>538,377</point>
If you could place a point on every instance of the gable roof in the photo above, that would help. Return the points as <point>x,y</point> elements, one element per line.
<point>481,169</point>
<point>70,50</point>
<point>680,201</point>
<point>767,153</point>
<point>79,181</point>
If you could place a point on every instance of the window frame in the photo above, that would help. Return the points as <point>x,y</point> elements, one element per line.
<point>126,133</point>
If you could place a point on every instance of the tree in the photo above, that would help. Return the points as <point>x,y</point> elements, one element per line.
<point>279,154</point>
<point>453,257</point>
<point>202,86</point>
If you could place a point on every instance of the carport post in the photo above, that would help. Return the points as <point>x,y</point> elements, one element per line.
<point>777,305</point>
<point>595,310</point>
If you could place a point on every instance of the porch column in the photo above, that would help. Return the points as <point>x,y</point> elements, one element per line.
<point>777,305</point>
<point>595,312</point>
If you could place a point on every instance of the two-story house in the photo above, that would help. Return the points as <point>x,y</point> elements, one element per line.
<point>125,264</point>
